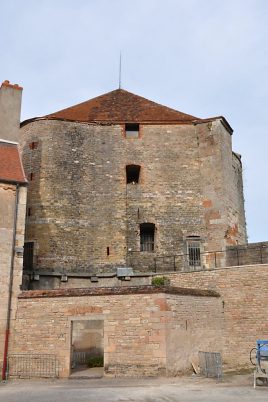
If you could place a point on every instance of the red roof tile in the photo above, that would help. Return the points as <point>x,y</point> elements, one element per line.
<point>121,106</point>
<point>11,169</point>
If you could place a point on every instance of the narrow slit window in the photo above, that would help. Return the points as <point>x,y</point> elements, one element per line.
<point>33,145</point>
<point>132,130</point>
<point>28,256</point>
<point>194,252</point>
<point>147,234</point>
<point>133,174</point>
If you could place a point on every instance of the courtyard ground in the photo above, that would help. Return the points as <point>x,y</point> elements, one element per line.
<point>180,389</point>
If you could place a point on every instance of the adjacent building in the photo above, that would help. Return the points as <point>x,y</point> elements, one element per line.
<point>13,192</point>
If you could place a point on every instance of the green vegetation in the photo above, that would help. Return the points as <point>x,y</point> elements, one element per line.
<point>96,361</point>
<point>160,281</point>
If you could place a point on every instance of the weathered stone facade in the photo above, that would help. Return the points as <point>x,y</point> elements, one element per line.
<point>9,224</point>
<point>13,193</point>
<point>84,217</point>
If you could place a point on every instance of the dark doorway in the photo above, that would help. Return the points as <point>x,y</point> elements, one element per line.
<point>87,348</point>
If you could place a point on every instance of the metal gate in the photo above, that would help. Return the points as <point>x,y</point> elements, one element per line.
<point>28,366</point>
<point>80,358</point>
<point>210,364</point>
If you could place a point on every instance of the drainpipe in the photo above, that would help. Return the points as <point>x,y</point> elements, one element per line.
<point>10,287</point>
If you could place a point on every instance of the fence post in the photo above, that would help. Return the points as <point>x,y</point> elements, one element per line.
<point>261,252</point>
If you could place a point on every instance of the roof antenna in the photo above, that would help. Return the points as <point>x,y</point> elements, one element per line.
<point>120,70</point>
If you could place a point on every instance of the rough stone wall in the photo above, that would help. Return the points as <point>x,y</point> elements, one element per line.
<point>249,254</point>
<point>196,325</point>
<point>236,233</point>
<point>138,329</point>
<point>244,295</point>
<point>80,204</point>
<point>7,211</point>
<point>55,282</point>
<point>222,188</point>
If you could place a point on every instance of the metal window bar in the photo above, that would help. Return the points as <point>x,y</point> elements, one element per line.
<point>147,242</point>
<point>79,358</point>
<point>194,254</point>
<point>31,365</point>
<point>210,364</point>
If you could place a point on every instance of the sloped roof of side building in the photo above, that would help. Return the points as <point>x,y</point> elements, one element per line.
<point>11,169</point>
<point>121,106</point>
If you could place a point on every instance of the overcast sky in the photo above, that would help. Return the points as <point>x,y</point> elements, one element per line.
<point>202,57</point>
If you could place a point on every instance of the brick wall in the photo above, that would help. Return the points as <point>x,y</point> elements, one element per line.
<point>145,329</point>
<point>244,295</point>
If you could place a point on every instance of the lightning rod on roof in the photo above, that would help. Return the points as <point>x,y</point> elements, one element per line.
<point>120,58</point>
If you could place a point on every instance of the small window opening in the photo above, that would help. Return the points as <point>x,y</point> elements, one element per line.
<point>108,251</point>
<point>132,130</point>
<point>29,211</point>
<point>31,176</point>
<point>194,252</point>
<point>133,174</point>
<point>33,145</point>
<point>28,255</point>
<point>147,231</point>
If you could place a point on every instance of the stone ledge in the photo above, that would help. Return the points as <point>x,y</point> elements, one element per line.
<point>122,290</point>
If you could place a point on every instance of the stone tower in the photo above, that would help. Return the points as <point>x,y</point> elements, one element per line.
<point>122,181</point>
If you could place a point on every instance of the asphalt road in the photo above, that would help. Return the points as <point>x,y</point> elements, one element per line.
<point>231,389</point>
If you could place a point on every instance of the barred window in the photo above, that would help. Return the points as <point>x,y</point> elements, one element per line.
<point>147,231</point>
<point>194,252</point>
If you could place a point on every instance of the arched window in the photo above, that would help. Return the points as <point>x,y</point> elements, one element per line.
<point>147,231</point>
<point>133,174</point>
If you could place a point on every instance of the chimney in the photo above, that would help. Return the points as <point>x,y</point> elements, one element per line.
<point>10,106</point>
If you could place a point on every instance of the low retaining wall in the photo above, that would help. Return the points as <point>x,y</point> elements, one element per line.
<point>147,330</point>
<point>244,292</point>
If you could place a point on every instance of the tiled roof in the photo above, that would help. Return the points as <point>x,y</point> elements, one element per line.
<point>121,106</point>
<point>11,169</point>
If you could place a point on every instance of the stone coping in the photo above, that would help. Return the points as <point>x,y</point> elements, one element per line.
<point>122,290</point>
